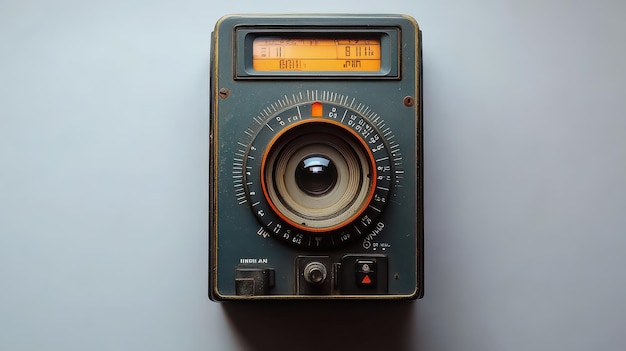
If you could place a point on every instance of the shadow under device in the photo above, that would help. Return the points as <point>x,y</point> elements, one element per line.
<point>316,158</point>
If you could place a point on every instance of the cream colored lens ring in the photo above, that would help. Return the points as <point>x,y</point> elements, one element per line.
<point>345,199</point>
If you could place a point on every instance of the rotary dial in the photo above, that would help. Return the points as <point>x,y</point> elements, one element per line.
<point>317,169</point>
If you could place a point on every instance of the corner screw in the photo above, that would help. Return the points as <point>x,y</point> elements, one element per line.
<point>224,93</point>
<point>408,101</point>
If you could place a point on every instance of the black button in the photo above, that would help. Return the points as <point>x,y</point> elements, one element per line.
<point>365,271</point>
<point>254,281</point>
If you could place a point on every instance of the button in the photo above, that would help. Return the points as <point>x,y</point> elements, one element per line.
<point>365,271</point>
<point>364,274</point>
<point>254,281</point>
<point>244,286</point>
<point>315,273</point>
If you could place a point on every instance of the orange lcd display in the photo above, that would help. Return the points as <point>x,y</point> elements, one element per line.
<point>310,54</point>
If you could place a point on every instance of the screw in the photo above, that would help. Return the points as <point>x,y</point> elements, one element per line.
<point>224,93</point>
<point>408,101</point>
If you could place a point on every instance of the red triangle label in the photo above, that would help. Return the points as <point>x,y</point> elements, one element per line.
<point>366,280</point>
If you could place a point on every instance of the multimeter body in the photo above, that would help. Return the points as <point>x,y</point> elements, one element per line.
<point>316,166</point>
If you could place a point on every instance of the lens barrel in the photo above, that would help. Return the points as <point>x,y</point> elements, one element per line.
<point>317,176</point>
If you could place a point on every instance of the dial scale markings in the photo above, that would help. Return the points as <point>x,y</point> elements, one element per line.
<point>289,110</point>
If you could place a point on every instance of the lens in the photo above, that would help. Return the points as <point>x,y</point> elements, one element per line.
<point>316,175</point>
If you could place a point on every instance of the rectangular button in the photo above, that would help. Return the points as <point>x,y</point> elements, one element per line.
<point>365,271</point>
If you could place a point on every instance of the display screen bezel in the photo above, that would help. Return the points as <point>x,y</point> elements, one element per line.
<point>389,52</point>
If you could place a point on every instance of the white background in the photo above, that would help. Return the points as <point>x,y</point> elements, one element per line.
<point>103,181</point>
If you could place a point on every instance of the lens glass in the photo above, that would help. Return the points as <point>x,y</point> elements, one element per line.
<point>316,175</point>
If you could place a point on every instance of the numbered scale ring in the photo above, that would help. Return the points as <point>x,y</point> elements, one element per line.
<point>317,169</point>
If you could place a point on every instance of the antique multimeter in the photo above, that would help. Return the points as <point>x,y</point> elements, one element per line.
<point>316,158</point>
